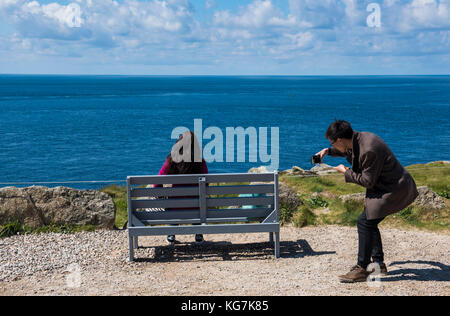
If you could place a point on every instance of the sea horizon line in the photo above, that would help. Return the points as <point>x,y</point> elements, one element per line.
<point>206,75</point>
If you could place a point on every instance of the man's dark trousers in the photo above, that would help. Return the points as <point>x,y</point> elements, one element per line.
<point>370,245</point>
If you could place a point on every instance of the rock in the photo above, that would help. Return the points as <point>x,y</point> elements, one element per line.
<point>359,197</point>
<point>427,198</point>
<point>445,162</point>
<point>323,169</point>
<point>37,206</point>
<point>297,171</point>
<point>288,198</point>
<point>16,205</point>
<point>262,169</point>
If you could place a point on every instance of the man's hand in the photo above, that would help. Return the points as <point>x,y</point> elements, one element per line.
<point>322,153</point>
<point>341,168</point>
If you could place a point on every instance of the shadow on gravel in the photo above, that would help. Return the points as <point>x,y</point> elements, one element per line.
<point>439,272</point>
<point>225,251</point>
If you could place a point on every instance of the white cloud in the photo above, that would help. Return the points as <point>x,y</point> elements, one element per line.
<point>101,20</point>
<point>260,13</point>
<point>168,31</point>
<point>425,14</point>
<point>69,15</point>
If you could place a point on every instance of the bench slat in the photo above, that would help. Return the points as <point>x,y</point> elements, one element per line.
<point>216,190</point>
<point>164,203</point>
<point>267,200</point>
<point>196,221</point>
<point>246,177</point>
<point>240,189</point>
<point>257,213</point>
<point>168,215</point>
<point>171,179</point>
<point>249,213</point>
<point>210,178</point>
<point>203,229</point>
<point>172,221</point>
<point>158,192</point>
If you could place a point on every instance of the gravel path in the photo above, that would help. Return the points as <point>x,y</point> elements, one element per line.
<point>240,264</point>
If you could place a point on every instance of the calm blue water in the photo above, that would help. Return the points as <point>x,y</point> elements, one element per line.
<point>107,127</point>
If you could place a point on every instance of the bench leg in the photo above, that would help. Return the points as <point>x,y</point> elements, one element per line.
<point>277,245</point>
<point>131,248</point>
<point>271,238</point>
<point>136,242</point>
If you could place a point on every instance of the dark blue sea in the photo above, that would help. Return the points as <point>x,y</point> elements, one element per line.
<point>61,128</point>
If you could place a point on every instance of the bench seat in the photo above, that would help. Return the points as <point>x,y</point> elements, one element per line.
<point>214,202</point>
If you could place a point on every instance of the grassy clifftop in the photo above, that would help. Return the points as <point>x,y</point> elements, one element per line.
<point>321,203</point>
<point>323,206</point>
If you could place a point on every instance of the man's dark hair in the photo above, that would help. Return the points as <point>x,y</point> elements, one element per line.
<point>339,129</point>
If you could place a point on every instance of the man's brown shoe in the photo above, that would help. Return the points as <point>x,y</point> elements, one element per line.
<point>356,274</point>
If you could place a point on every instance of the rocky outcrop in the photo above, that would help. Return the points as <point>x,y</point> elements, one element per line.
<point>297,171</point>
<point>38,206</point>
<point>288,198</point>
<point>262,169</point>
<point>318,170</point>
<point>427,198</point>
<point>323,169</point>
<point>359,197</point>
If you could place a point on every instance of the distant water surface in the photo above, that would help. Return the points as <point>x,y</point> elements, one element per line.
<point>55,128</point>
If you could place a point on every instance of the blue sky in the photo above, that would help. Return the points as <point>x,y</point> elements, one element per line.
<point>225,37</point>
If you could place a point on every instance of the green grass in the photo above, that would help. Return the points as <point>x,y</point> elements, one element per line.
<point>332,185</point>
<point>303,217</point>
<point>435,175</point>
<point>12,229</point>
<point>422,218</point>
<point>119,196</point>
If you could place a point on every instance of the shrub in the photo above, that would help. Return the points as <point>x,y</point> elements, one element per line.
<point>444,193</point>
<point>303,217</point>
<point>324,181</point>
<point>12,229</point>
<point>119,196</point>
<point>317,201</point>
<point>317,188</point>
<point>353,210</point>
<point>286,215</point>
<point>114,190</point>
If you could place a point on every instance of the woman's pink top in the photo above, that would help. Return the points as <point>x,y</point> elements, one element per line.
<point>164,171</point>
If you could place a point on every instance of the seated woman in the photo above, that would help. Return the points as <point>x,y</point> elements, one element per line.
<point>171,167</point>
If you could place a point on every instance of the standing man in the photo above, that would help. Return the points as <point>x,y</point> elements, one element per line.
<point>390,188</point>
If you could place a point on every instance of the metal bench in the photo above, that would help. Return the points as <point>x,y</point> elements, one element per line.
<point>202,196</point>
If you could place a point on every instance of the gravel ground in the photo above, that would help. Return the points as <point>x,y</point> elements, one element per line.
<point>239,264</point>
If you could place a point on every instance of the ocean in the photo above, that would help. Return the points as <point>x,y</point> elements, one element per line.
<point>96,128</point>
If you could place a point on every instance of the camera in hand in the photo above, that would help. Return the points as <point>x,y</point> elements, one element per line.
<point>316,159</point>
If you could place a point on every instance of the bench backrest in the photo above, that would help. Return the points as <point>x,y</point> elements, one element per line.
<point>205,198</point>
